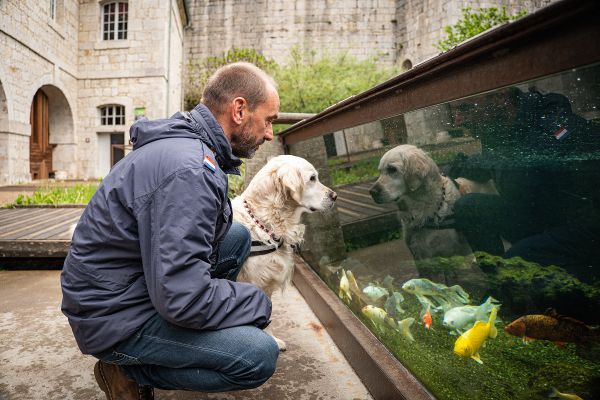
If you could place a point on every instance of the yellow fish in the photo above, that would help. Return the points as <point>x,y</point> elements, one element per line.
<point>468,344</point>
<point>344,291</point>
<point>381,318</point>
<point>568,396</point>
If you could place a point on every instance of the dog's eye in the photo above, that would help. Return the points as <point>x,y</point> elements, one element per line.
<point>391,169</point>
<point>313,178</point>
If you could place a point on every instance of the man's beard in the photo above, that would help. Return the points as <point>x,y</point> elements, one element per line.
<point>243,143</point>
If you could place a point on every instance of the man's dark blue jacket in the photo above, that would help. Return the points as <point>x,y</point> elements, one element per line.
<point>148,237</point>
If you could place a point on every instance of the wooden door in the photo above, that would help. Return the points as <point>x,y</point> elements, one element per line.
<point>40,151</point>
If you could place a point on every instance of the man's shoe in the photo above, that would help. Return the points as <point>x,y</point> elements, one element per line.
<point>117,386</point>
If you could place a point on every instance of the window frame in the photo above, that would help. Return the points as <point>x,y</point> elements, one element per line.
<point>112,115</point>
<point>114,20</point>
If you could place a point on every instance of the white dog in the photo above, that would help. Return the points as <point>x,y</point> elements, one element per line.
<point>271,207</point>
<point>425,199</point>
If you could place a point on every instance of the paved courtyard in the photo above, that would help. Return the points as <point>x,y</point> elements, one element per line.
<point>40,360</point>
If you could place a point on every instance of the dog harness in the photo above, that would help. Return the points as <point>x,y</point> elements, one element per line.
<point>259,248</point>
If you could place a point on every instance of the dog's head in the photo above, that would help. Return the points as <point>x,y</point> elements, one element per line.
<point>292,181</point>
<point>402,171</point>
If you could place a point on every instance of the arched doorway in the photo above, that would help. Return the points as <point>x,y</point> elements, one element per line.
<point>51,133</point>
<point>40,150</point>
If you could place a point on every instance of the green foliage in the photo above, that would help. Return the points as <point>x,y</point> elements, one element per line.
<point>306,83</point>
<point>310,84</point>
<point>236,182</point>
<point>474,22</point>
<point>198,73</point>
<point>52,195</point>
<point>359,171</point>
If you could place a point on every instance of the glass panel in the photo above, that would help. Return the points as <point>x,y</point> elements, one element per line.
<point>117,145</point>
<point>465,229</point>
<point>108,18</point>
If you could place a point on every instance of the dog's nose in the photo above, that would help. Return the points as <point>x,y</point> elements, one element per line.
<point>374,191</point>
<point>332,195</point>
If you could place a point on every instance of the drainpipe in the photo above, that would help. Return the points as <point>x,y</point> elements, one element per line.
<point>168,60</point>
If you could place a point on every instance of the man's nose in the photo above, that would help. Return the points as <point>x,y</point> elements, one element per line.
<point>269,133</point>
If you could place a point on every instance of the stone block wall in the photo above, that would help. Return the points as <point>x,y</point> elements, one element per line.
<point>38,52</point>
<point>65,57</point>
<point>399,32</point>
<point>273,26</point>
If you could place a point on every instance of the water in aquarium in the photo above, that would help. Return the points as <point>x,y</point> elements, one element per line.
<point>466,237</point>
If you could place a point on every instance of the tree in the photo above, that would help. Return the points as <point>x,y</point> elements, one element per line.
<point>310,84</point>
<point>199,73</point>
<point>474,22</point>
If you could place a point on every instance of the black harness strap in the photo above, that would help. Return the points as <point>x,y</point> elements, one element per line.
<point>259,248</point>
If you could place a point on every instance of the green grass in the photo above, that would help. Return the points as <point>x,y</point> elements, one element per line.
<point>359,171</point>
<point>55,195</point>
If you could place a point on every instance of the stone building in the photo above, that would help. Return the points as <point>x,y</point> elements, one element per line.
<point>75,74</point>
<point>401,32</point>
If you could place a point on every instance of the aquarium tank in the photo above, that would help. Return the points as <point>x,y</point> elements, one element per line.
<point>466,237</point>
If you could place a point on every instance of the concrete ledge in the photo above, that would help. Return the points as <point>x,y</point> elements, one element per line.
<point>34,248</point>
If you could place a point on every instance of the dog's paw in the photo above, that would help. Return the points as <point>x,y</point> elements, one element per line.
<point>281,344</point>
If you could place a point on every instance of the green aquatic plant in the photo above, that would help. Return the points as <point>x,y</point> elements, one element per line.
<point>525,286</point>
<point>510,369</point>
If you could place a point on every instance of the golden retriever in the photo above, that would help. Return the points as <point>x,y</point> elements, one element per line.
<point>271,208</point>
<point>425,199</point>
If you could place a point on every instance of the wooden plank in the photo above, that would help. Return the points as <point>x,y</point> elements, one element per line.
<point>27,219</point>
<point>370,206</point>
<point>353,193</point>
<point>15,231</point>
<point>348,212</point>
<point>49,232</point>
<point>15,214</point>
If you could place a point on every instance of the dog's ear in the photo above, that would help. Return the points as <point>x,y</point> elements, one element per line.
<point>417,167</point>
<point>288,183</point>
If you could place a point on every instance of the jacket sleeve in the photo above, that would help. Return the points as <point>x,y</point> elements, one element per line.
<point>176,235</point>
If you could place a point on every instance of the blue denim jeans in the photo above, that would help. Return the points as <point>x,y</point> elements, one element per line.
<point>170,357</point>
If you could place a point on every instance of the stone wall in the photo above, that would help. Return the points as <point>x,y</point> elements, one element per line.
<point>399,32</point>
<point>38,52</point>
<point>143,71</point>
<point>67,59</point>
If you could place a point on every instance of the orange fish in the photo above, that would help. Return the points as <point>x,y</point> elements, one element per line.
<point>552,327</point>
<point>427,320</point>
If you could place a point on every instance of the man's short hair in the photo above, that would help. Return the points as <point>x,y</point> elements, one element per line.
<point>240,79</point>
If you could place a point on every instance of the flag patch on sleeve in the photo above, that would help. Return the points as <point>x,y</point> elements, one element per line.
<point>561,133</point>
<point>210,163</point>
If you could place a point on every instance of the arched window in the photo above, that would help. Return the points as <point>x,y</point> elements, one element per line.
<point>112,114</point>
<point>114,20</point>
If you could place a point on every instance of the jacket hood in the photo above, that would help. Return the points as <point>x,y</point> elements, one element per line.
<point>196,124</point>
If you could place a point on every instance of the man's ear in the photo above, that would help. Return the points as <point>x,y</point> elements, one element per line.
<point>238,110</point>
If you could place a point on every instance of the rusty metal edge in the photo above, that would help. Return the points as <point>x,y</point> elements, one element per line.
<point>512,53</point>
<point>381,373</point>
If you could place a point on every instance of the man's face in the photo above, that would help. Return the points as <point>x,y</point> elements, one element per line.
<point>256,128</point>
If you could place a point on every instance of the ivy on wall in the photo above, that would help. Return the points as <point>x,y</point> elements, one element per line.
<point>473,23</point>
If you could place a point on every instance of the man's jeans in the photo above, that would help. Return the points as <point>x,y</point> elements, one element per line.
<point>166,356</point>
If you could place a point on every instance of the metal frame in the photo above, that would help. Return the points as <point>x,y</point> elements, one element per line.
<point>561,36</point>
